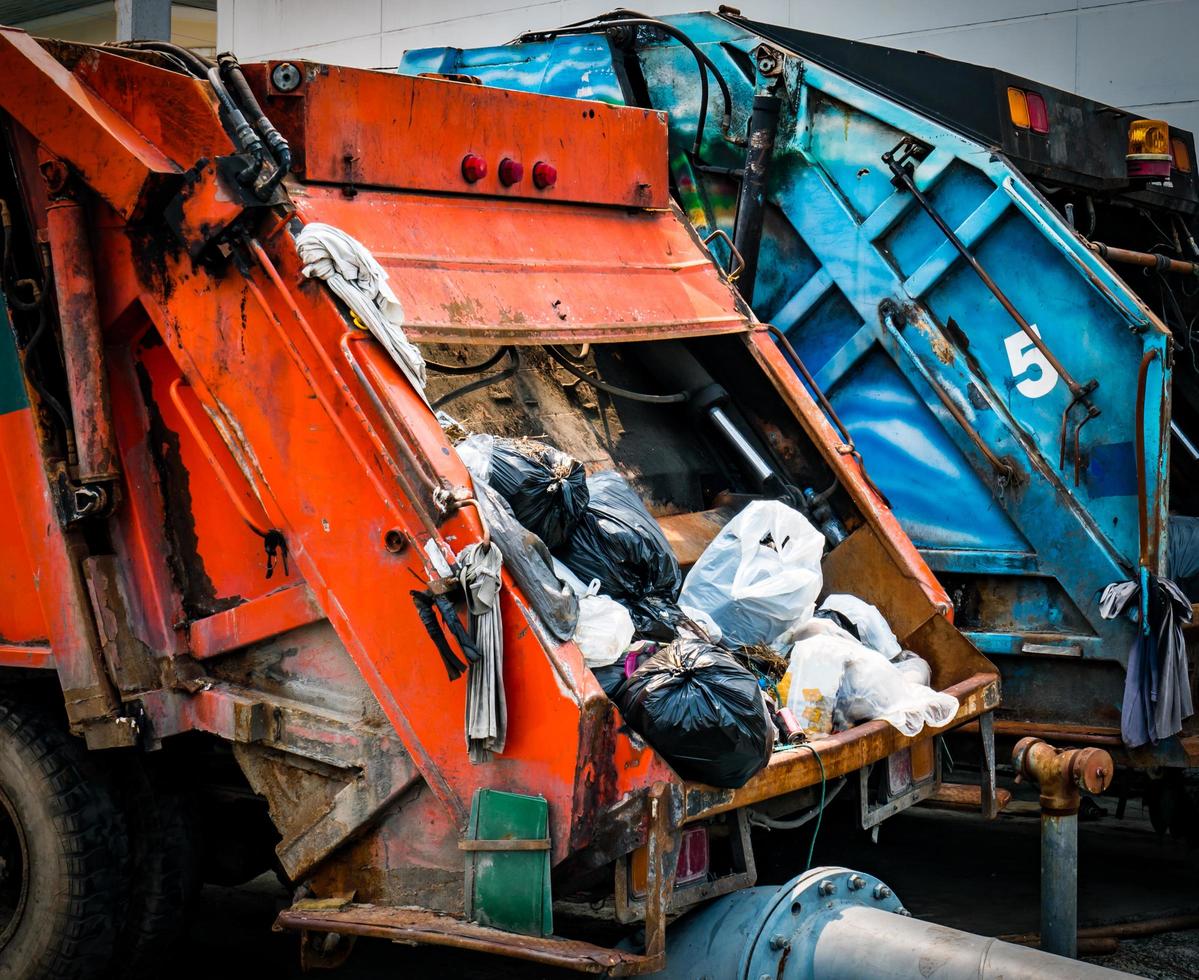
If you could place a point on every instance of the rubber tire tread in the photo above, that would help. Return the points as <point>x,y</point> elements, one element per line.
<point>164,876</point>
<point>72,819</point>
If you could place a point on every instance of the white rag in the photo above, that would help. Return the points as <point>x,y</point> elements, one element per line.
<point>348,268</point>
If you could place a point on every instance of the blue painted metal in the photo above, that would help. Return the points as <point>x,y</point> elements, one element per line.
<point>896,328</point>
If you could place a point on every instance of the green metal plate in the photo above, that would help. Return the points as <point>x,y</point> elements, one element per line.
<point>509,890</point>
<point>12,379</point>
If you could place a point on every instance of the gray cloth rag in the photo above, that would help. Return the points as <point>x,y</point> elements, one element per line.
<point>351,272</point>
<point>486,709</point>
<point>1157,688</point>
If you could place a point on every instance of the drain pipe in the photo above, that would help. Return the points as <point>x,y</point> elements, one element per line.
<point>1062,775</point>
<point>837,924</point>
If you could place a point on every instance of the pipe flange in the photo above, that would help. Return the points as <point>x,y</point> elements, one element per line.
<point>785,944</point>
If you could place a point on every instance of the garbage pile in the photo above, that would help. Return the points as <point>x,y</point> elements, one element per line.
<point>716,668</point>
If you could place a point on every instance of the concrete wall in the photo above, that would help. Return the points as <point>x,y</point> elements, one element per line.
<point>96,23</point>
<point>1140,54</point>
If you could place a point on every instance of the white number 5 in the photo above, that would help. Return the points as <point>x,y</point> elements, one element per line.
<point>1023,355</point>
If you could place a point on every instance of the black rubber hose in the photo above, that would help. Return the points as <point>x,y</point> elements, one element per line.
<point>243,133</point>
<point>636,396</point>
<point>198,66</point>
<point>486,382</point>
<point>40,388</point>
<point>467,368</point>
<point>702,60</point>
<point>279,147</point>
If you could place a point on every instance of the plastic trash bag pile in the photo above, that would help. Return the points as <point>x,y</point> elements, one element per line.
<point>714,669</point>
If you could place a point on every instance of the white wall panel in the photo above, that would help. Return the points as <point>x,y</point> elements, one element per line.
<point>1135,53</point>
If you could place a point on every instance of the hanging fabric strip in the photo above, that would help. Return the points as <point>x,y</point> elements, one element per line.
<point>479,567</point>
<point>1157,688</point>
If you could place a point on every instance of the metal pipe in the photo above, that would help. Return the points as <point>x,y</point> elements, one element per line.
<point>1062,775</point>
<point>871,943</point>
<point>1059,883</point>
<point>751,201</point>
<point>1146,545</point>
<point>837,924</point>
<point>1147,260</point>
<point>762,469</point>
<point>82,342</point>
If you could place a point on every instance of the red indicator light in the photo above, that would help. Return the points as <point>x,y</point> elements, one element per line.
<point>1038,115</point>
<point>544,175</point>
<point>511,172</point>
<point>474,167</point>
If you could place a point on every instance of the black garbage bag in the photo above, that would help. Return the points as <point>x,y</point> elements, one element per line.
<point>701,711</point>
<point>619,543</point>
<point>546,489</point>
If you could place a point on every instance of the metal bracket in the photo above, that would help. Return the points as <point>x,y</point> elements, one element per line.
<point>630,909</point>
<point>871,815</point>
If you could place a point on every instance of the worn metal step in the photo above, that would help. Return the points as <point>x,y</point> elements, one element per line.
<point>417,925</point>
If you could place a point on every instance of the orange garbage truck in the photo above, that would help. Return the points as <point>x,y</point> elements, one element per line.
<point>250,313</point>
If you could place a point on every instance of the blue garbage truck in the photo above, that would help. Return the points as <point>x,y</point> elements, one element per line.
<point>990,284</point>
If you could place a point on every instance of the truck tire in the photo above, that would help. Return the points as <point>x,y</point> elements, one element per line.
<point>164,875</point>
<point>63,853</point>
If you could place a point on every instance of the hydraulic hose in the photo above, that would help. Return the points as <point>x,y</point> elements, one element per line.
<point>705,64</point>
<point>279,147</point>
<point>637,396</point>
<point>193,62</point>
<point>243,133</point>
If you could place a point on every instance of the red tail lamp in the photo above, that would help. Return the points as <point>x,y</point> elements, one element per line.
<point>511,172</point>
<point>1038,115</point>
<point>1027,110</point>
<point>544,175</point>
<point>474,168</point>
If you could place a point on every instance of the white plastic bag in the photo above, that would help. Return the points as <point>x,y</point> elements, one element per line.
<point>817,667</point>
<point>605,628</point>
<point>875,688</point>
<point>914,667</point>
<point>873,629</point>
<point>704,622</point>
<point>760,575</point>
<point>837,682</point>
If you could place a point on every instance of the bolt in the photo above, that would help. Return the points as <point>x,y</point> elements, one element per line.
<point>769,61</point>
<point>881,892</point>
<point>826,887</point>
<point>779,941</point>
<point>856,882</point>
<point>765,976</point>
<point>286,77</point>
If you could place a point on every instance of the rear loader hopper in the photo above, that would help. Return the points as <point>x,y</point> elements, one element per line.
<point>241,543</point>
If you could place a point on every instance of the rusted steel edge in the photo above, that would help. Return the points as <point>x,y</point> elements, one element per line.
<point>594,333</point>
<point>790,771</point>
<point>259,619</point>
<point>848,469</point>
<point>444,930</point>
<point>37,656</point>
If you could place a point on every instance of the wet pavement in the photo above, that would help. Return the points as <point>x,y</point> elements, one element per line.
<point>951,869</point>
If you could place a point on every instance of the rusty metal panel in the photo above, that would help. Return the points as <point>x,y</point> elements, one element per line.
<point>492,272</point>
<point>73,122</point>
<point>131,664</point>
<point>413,133</point>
